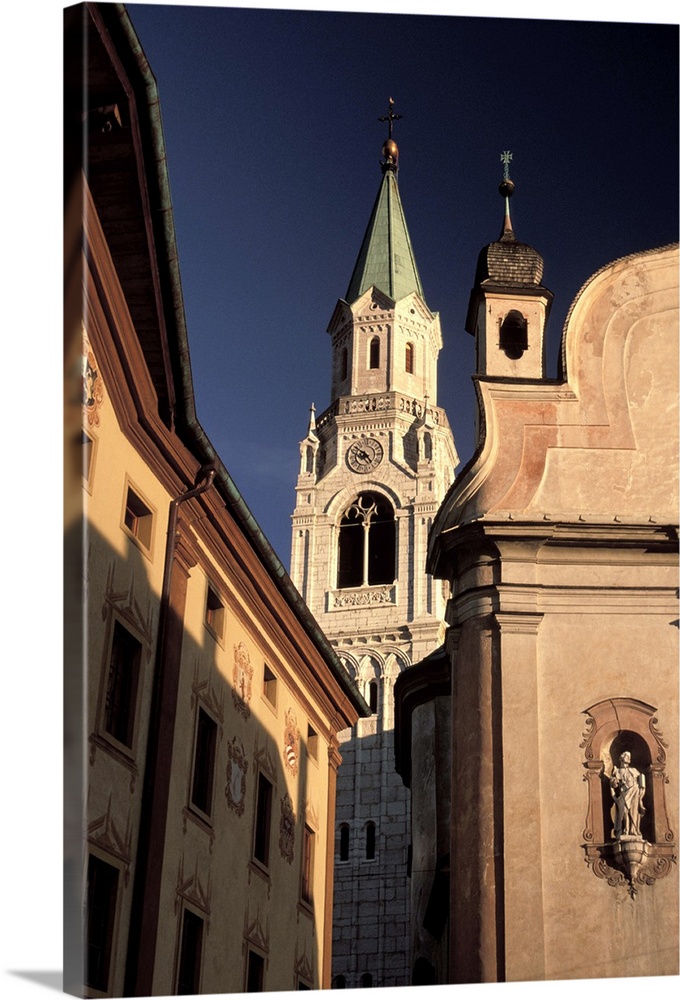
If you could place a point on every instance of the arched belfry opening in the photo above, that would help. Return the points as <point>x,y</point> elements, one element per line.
<point>367,542</point>
<point>513,335</point>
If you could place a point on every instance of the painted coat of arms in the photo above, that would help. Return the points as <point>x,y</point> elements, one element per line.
<point>242,690</point>
<point>235,788</point>
<point>291,742</point>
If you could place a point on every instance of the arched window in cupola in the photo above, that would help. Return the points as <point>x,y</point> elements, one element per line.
<point>513,335</point>
<point>343,364</point>
<point>409,358</point>
<point>374,353</point>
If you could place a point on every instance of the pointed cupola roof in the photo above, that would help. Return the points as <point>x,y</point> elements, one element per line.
<point>386,257</point>
<point>507,262</point>
<point>507,265</point>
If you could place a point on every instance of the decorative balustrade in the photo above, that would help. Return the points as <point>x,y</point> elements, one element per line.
<point>379,403</point>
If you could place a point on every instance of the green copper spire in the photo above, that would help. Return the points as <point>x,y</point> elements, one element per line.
<point>386,257</point>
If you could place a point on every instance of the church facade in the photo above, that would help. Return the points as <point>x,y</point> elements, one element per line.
<point>374,468</point>
<point>550,715</point>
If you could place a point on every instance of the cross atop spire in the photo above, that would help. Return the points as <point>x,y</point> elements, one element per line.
<point>390,117</point>
<point>506,156</point>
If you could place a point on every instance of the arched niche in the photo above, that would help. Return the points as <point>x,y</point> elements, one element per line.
<point>614,726</point>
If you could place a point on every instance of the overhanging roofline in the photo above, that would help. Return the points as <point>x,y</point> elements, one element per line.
<point>188,425</point>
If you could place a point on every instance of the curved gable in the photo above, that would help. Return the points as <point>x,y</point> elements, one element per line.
<point>603,445</point>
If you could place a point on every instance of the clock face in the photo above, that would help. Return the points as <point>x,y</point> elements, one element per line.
<point>364,455</point>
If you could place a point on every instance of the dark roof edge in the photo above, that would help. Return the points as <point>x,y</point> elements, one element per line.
<point>202,447</point>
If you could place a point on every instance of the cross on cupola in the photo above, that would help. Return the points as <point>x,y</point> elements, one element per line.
<point>506,188</point>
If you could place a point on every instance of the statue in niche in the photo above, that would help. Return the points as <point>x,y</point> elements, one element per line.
<point>628,789</point>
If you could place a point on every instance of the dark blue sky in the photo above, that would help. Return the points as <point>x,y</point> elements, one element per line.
<point>270,120</point>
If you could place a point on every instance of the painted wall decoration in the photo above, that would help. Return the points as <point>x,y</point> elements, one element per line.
<point>243,680</point>
<point>291,742</point>
<point>287,829</point>
<point>237,768</point>
<point>93,387</point>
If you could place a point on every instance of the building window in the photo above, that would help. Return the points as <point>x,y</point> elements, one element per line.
<point>370,841</point>
<point>307,880</point>
<point>263,815</point>
<point>339,983</point>
<point>138,519</point>
<point>189,972</point>
<point>373,697</point>
<point>102,890</point>
<point>513,335</point>
<point>408,358</point>
<point>343,364</point>
<point>269,686</point>
<point>312,743</point>
<point>367,980</point>
<point>367,542</point>
<point>374,353</point>
<point>214,613</point>
<point>424,973</point>
<point>344,842</point>
<point>204,762</point>
<point>87,456</point>
<point>123,682</point>
<point>255,975</point>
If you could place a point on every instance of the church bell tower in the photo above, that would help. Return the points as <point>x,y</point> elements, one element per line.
<point>374,468</point>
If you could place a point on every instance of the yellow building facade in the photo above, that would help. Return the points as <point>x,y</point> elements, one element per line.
<point>201,733</point>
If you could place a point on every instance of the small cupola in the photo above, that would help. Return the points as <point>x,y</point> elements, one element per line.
<point>509,306</point>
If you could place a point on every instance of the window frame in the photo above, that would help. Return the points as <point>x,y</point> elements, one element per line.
<point>270,683</point>
<point>262,821</point>
<point>140,528</point>
<point>343,843</point>
<point>374,354</point>
<point>88,454</point>
<point>112,929</point>
<point>366,546</point>
<point>104,726</point>
<point>206,814</point>
<point>188,912</point>
<point>312,743</point>
<point>215,613</point>
<point>371,841</point>
<point>307,858</point>
<point>255,953</point>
